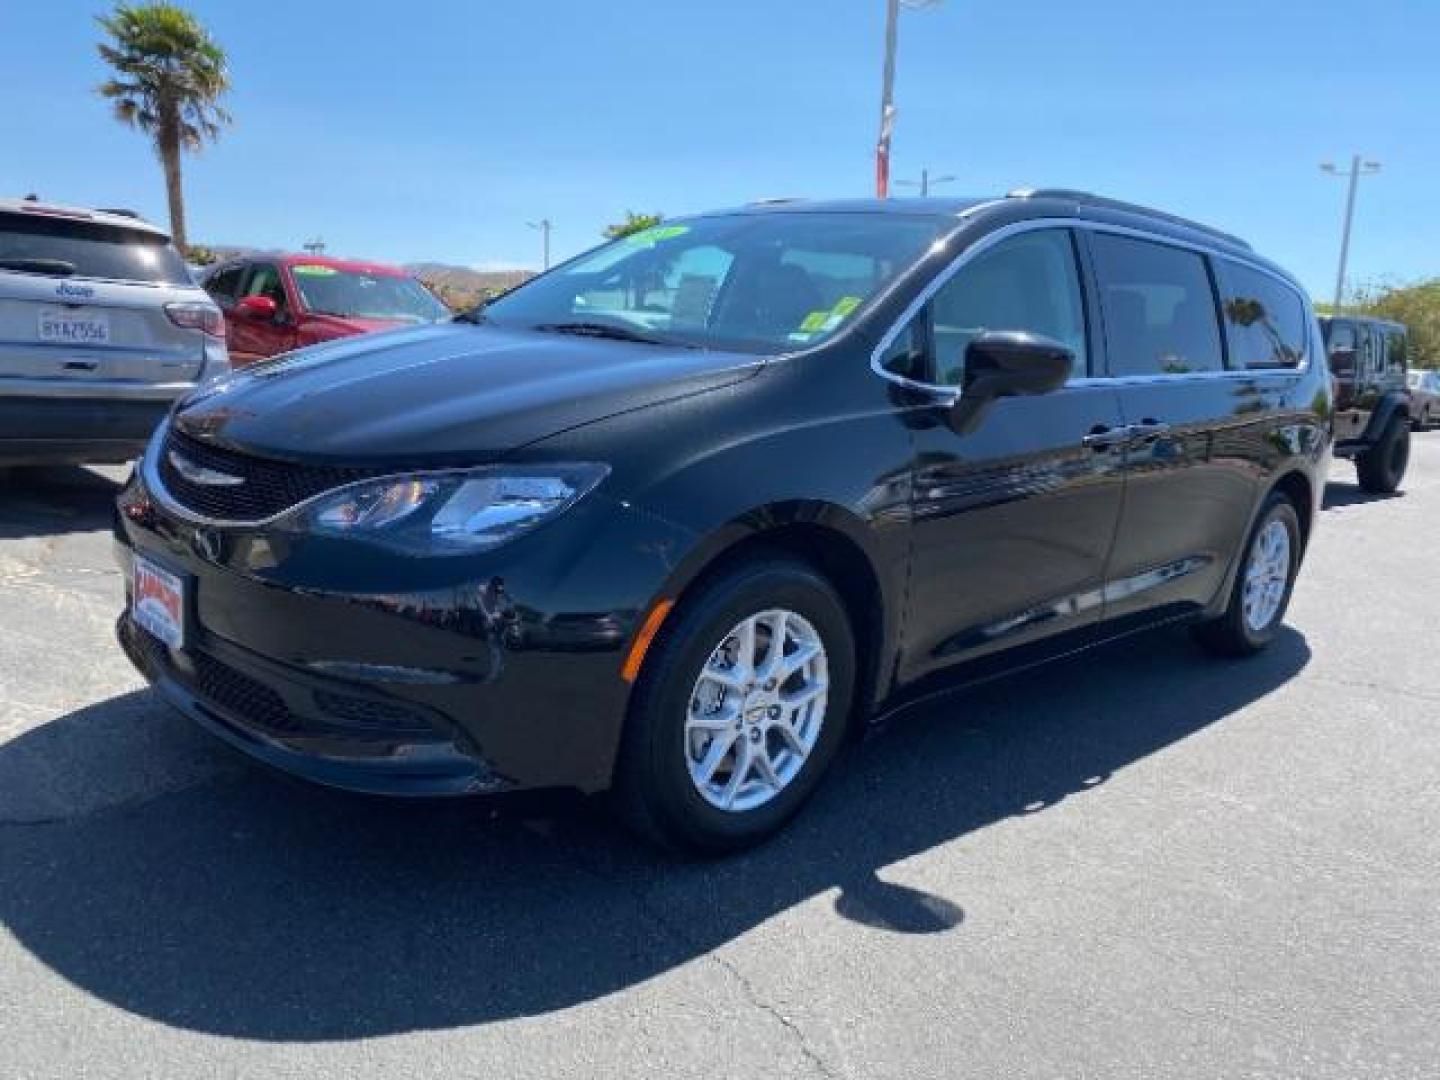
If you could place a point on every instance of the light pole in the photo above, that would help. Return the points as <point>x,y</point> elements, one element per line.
<point>1358,168</point>
<point>926,182</point>
<point>887,93</point>
<point>544,226</point>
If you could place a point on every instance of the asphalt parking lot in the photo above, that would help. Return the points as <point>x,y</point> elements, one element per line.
<point>1141,863</point>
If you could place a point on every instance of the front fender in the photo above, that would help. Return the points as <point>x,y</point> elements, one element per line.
<point>1394,403</point>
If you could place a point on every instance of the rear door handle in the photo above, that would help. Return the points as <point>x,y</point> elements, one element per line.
<point>1102,437</point>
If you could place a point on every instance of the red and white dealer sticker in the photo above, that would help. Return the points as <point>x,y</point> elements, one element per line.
<point>158,602</point>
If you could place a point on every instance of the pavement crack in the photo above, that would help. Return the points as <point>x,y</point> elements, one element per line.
<point>752,995</point>
<point>748,989</point>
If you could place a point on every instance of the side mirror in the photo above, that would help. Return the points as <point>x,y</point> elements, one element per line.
<point>1007,363</point>
<point>1342,362</point>
<point>1013,363</point>
<point>260,308</point>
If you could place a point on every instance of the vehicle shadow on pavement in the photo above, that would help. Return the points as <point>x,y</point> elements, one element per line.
<point>54,500</point>
<point>249,906</point>
<point>1342,495</point>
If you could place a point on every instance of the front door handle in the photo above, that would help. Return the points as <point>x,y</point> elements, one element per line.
<point>1103,438</point>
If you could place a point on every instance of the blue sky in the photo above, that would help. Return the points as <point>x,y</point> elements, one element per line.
<point>436,134</point>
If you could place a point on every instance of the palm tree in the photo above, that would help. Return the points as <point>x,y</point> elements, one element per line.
<point>169,76</point>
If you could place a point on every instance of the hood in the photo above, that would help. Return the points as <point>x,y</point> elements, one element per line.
<point>448,394</point>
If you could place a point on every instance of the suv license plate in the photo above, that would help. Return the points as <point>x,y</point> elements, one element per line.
<point>157,602</point>
<point>73,329</point>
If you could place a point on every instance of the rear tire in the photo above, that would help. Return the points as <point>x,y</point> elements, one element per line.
<point>661,787</point>
<point>1259,597</point>
<point>1381,468</point>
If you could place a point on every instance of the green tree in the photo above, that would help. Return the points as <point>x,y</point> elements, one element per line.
<point>633,223</point>
<point>169,77</point>
<point>1417,306</point>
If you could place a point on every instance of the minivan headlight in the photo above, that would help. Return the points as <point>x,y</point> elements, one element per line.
<point>450,512</point>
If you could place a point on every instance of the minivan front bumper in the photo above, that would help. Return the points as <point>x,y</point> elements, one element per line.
<point>391,674</point>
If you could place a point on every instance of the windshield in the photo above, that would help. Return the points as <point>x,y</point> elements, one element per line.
<point>328,290</point>
<point>66,247</point>
<point>768,282</point>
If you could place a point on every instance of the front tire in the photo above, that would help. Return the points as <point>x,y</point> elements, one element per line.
<point>728,736</point>
<point>1381,468</point>
<point>1261,593</point>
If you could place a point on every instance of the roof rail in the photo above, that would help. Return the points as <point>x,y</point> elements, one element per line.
<point>776,200</point>
<point>118,211</point>
<point>1085,198</point>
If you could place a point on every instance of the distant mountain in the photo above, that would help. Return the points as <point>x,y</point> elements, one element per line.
<point>462,287</point>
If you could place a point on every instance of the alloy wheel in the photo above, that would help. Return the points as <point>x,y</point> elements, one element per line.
<point>756,710</point>
<point>1266,576</point>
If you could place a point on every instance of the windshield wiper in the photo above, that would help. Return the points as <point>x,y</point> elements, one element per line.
<point>57,267</point>
<point>600,330</point>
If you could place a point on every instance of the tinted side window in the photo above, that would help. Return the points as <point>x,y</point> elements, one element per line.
<point>1343,346</point>
<point>1159,308</point>
<point>1395,351</point>
<point>1342,336</point>
<point>225,284</point>
<point>1372,349</point>
<point>1029,282</point>
<point>1264,319</point>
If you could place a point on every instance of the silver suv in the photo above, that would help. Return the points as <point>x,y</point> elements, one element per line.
<point>1424,398</point>
<point>101,328</point>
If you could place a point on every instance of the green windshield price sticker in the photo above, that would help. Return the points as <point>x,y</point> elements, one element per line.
<point>656,233</point>
<point>314,271</point>
<point>818,322</point>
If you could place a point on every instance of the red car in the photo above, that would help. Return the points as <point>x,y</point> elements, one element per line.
<point>275,303</point>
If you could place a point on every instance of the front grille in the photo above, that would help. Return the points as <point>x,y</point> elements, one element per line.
<point>241,695</point>
<point>264,710</point>
<point>267,487</point>
<point>389,718</point>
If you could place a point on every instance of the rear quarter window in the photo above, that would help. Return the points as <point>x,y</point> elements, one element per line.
<point>66,247</point>
<point>1264,318</point>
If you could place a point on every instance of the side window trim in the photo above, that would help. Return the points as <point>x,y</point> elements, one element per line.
<point>1096,341</point>
<point>1081,229</point>
<point>1217,308</point>
<point>1097,355</point>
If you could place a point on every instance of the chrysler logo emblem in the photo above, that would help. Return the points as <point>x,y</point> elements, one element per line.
<point>199,474</point>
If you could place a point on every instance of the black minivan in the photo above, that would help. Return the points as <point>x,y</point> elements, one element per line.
<point>677,516</point>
